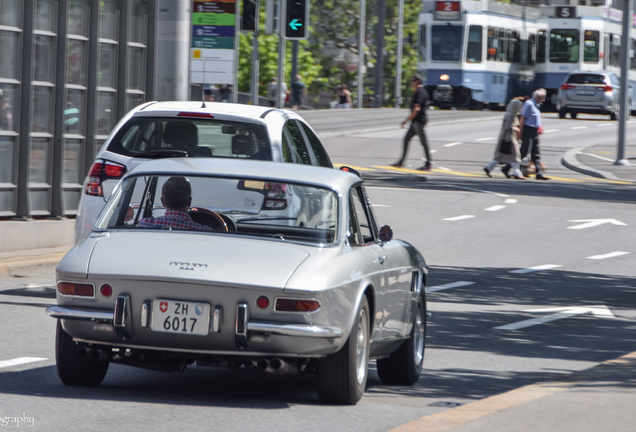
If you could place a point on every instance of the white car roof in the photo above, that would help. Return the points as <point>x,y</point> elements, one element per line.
<point>337,180</point>
<point>172,108</point>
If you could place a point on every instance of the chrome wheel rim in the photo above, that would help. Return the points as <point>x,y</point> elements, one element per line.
<point>418,337</point>
<point>362,347</point>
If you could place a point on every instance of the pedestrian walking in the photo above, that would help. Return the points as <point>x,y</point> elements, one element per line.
<point>418,119</point>
<point>344,97</point>
<point>271,92</point>
<point>507,151</point>
<point>299,91</point>
<point>530,125</point>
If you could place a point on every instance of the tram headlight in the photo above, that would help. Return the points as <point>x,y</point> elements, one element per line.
<point>444,77</point>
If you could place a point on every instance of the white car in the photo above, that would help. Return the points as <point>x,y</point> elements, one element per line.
<point>157,130</point>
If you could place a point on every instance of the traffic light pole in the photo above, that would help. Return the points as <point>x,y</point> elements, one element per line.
<point>361,37</point>
<point>398,73</point>
<point>280,76</point>
<point>624,104</point>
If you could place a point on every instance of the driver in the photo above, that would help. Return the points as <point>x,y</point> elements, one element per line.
<point>176,197</point>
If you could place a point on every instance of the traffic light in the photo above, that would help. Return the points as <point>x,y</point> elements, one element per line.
<point>297,19</point>
<point>249,15</point>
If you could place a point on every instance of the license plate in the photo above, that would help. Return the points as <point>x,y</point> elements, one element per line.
<point>173,316</point>
<point>585,92</point>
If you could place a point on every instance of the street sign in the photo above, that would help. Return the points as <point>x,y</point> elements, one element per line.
<point>297,19</point>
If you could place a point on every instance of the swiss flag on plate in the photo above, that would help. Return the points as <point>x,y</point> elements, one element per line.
<point>163,306</point>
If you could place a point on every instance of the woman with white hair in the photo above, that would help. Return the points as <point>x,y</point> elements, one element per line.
<point>507,151</point>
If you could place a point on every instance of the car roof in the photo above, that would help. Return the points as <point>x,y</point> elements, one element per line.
<point>337,180</point>
<point>172,108</point>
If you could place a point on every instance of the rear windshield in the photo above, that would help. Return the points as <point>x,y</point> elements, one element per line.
<point>172,137</point>
<point>253,207</point>
<point>586,79</point>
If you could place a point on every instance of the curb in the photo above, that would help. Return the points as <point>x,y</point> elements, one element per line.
<point>12,267</point>
<point>570,161</point>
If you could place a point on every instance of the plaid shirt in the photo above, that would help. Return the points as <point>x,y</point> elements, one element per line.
<point>173,219</point>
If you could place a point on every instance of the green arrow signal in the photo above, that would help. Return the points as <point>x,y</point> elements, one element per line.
<point>294,24</point>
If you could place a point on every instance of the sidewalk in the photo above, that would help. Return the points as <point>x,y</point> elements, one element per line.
<point>598,161</point>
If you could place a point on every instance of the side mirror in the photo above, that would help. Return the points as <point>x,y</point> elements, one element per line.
<point>386,233</point>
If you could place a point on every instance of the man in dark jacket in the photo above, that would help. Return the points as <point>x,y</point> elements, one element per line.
<point>418,118</point>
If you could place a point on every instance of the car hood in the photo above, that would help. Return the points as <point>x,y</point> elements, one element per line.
<point>195,257</point>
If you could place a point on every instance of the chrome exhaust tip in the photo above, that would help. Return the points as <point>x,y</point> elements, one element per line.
<point>282,367</point>
<point>81,353</point>
<point>96,354</point>
<point>263,364</point>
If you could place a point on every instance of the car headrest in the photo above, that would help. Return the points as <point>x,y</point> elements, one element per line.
<point>244,145</point>
<point>181,134</point>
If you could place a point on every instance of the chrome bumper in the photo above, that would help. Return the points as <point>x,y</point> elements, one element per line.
<point>280,329</point>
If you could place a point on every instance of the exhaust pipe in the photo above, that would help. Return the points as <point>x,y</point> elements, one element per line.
<point>96,354</point>
<point>81,353</point>
<point>282,367</point>
<point>263,364</point>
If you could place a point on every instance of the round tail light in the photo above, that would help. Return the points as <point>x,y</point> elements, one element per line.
<point>262,302</point>
<point>106,290</point>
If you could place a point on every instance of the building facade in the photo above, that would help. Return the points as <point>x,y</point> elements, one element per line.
<point>69,70</point>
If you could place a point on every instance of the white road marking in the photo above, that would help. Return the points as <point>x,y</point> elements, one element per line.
<point>597,156</point>
<point>495,208</point>
<point>470,189</point>
<point>579,127</point>
<point>609,255</point>
<point>445,169</point>
<point>453,144</point>
<point>605,124</point>
<point>590,223</point>
<point>550,131</point>
<point>449,286</point>
<point>380,205</point>
<point>510,201</point>
<point>432,151</point>
<point>20,360</point>
<point>535,269</point>
<point>457,218</point>
<point>563,312</point>
<point>484,139</point>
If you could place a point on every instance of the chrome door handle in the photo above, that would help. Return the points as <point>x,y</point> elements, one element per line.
<point>382,259</point>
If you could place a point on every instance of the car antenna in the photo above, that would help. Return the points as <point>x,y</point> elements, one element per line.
<point>203,96</point>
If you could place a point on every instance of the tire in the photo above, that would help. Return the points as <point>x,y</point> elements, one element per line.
<point>71,369</point>
<point>404,366</point>
<point>342,377</point>
<point>562,113</point>
<point>573,114</point>
<point>614,116</point>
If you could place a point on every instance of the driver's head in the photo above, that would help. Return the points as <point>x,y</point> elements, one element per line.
<point>176,194</point>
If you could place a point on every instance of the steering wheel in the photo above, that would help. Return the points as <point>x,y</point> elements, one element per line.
<point>208,218</point>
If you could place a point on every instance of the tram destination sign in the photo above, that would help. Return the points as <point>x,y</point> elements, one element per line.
<point>448,11</point>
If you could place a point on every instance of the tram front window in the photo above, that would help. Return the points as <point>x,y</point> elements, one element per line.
<point>564,46</point>
<point>446,42</point>
<point>590,46</point>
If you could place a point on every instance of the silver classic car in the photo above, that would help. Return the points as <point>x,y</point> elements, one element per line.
<point>281,267</point>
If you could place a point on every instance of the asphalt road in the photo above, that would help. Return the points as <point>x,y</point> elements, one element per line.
<point>502,252</point>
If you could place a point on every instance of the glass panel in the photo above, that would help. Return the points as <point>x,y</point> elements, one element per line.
<point>39,161</point>
<point>46,15</point>
<point>296,143</point>
<point>136,69</point>
<point>73,161</point>
<point>615,50</point>
<point>7,149</point>
<point>322,159</point>
<point>76,62</point>
<point>473,50</point>
<point>107,68</point>
<point>8,113</point>
<point>633,58</point>
<point>446,42</point>
<point>44,66</point>
<point>564,46</point>
<point>7,201</point>
<point>9,47</point>
<point>361,216</point>
<point>77,17</point>
<point>590,46</point>
<point>108,19</point>
<point>422,43</point>
<point>491,45</point>
<point>39,200</point>
<point>42,109</point>
<point>75,112</point>
<point>541,47</point>
<point>132,100</point>
<point>105,112</point>
<point>71,200</point>
<point>137,21</point>
<point>11,13</point>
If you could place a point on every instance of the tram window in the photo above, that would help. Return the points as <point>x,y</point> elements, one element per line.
<point>541,47</point>
<point>615,50</point>
<point>491,45</point>
<point>590,46</point>
<point>515,49</point>
<point>632,60</point>
<point>564,46</point>
<point>530,51</point>
<point>503,46</point>
<point>446,41</point>
<point>473,50</point>
<point>422,43</point>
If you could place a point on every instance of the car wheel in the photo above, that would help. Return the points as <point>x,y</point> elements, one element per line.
<point>614,116</point>
<point>404,366</point>
<point>342,377</point>
<point>573,114</point>
<point>70,368</point>
<point>562,113</point>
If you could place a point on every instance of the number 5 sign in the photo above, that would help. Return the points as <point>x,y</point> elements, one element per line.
<point>448,11</point>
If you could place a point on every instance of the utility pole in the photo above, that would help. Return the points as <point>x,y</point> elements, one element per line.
<point>398,72</point>
<point>624,107</point>
<point>379,70</point>
<point>361,38</point>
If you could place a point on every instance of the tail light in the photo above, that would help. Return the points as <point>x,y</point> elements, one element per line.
<point>101,171</point>
<point>76,289</point>
<point>566,86</point>
<point>607,88</point>
<point>291,305</point>
<point>275,196</point>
